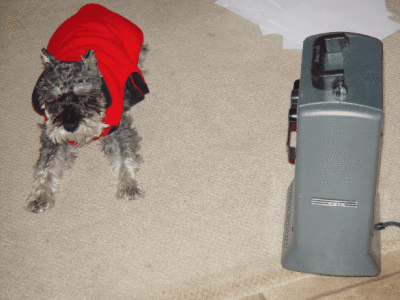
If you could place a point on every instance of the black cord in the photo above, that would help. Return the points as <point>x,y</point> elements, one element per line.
<point>383,225</point>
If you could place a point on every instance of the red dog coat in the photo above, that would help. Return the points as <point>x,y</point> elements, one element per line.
<point>116,43</point>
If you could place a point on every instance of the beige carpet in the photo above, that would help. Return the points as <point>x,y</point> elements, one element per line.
<point>215,173</point>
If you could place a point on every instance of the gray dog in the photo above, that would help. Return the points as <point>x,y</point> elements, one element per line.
<point>91,79</point>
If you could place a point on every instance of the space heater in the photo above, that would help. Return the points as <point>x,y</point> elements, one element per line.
<point>332,204</point>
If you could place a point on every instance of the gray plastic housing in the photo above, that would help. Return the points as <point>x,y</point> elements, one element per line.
<point>339,116</point>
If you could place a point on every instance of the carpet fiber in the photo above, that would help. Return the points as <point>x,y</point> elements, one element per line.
<point>215,168</point>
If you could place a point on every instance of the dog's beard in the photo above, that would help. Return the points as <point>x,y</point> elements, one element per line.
<point>88,129</point>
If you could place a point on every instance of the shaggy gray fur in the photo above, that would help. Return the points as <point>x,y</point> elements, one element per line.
<point>71,95</point>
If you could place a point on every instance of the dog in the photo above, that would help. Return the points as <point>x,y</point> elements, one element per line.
<point>92,77</point>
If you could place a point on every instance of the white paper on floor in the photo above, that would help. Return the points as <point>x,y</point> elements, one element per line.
<point>296,20</point>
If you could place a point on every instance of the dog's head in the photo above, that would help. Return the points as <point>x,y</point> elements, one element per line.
<point>71,95</point>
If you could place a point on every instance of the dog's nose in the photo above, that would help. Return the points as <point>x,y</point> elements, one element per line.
<point>70,120</point>
<point>71,127</point>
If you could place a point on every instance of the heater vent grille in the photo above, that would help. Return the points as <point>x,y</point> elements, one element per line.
<point>335,203</point>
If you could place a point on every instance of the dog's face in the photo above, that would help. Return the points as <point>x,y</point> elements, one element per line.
<point>71,95</point>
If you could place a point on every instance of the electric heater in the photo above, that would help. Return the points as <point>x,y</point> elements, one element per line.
<point>336,109</point>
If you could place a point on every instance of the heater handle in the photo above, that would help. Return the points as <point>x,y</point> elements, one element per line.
<point>327,61</point>
<point>292,116</point>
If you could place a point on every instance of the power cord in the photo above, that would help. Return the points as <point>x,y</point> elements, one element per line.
<point>383,225</point>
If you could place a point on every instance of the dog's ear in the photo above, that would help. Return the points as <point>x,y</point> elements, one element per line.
<point>48,60</point>
<point>36,99</point>
<point>90,61</point>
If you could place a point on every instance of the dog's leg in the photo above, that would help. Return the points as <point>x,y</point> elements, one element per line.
<point>53,160</point>
<point>121,148</point>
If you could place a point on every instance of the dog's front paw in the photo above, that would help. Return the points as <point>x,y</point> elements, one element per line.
<point>130,190</point>
<point>39,203</point>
